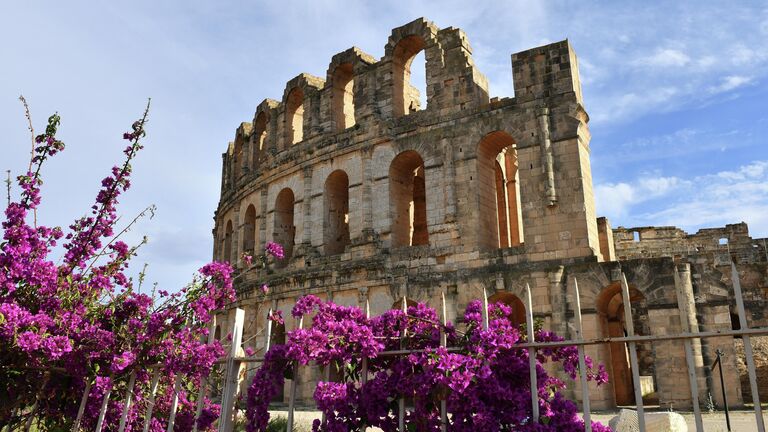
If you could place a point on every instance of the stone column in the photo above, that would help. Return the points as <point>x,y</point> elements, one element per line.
<point>690,324</point>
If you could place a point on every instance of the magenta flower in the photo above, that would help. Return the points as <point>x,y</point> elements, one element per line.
<point>275,250</point>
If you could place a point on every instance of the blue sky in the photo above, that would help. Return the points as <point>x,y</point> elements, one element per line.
<point>676,91</point>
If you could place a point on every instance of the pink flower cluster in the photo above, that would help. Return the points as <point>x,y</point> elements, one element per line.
<point>483,377</point>
<point>83,321</point>
<point>275,250</point>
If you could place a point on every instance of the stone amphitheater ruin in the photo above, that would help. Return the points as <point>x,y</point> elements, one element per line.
<point>377,198</point>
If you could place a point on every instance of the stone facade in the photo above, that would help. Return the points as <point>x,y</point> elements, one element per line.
<point>378,198</point>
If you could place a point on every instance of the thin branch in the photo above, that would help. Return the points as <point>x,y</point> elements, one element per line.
<point>31,130</point>
<point>151,209</point>
<point>8,186</point>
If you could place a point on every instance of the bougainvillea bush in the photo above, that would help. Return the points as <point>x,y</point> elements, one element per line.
<point>483,377</point>
<point>71,319</point>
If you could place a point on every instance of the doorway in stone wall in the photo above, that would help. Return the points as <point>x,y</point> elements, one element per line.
<point>610,307</point>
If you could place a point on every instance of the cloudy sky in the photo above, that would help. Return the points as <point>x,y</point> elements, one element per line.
<point>677,94</point>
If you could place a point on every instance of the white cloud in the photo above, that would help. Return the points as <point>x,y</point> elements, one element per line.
<point>730,83</point>
<point>664,58</point>
<point>710,200</point>
<point>616,199</point>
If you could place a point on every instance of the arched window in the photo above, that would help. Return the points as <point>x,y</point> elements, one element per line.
<point>228,242</point>
<point>238,160</point>
<point>336,213</point>
<point>294,117</point>
<point>517,315</point>
<point>406,98</point>
<point>249,230</point>
<point>499,192</point>
<point>284,230</point>
<point>343,97</point>
<point>259,137</point>
<point>408,201</point>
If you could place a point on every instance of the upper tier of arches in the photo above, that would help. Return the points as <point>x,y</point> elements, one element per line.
<point>358,90</point>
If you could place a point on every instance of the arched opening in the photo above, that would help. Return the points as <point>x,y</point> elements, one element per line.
<point>294,117</point>
<point>343,97</point>
<point>398,305</point>
<point>278,338</point>
<point>238,161</point>
<point>517,316</point>
<point>406,98</point>
<point>284,230</point>
<point>408,200</point>
<point>228,242</point>
<point>610,307</point>
<point>259,137</point>
<point>336,213</point>
<point>249,230</point>
<point>499,192</point>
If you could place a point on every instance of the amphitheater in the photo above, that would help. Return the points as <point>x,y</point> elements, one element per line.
<point>379,199</point>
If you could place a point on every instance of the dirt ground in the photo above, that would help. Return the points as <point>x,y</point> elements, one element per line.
<point>741,421</point>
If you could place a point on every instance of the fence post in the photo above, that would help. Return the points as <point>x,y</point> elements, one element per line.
<point>630,326</point>
<point>364,367</point>
<point>684,301</point>
<point>174,403</point>
<point>81,410</point>
<point>531,355</point>
<point>232,374</point>
<point>104,403</point>
<point>292,395</point>
<point>151,401</point>
<point>401,401</point>
<point>203,393</point>
<point>582,361</point>
<point>128,401</point>
<point>747,347</point>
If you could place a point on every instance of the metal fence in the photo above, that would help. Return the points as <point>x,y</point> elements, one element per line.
<point>234,362</point>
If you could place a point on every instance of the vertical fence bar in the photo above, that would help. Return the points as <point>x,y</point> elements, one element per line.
<point>630,326</point>
<point>531,355</point>
<point>232,375</point>
<point>684,305</point>
<point>401,401</point>
<point>81,410</point>
<point>203,393</point>
<point>174,403</point>
<point>582,361</point>
<point>128,401</point>
<point>151,401</point>
<point>444,344</point>
<point>268,336</point>
<point>747,347</point>
<point>292,396</point>
<point>364,367</point>
<point>104,404</point>
<point>485,309</point>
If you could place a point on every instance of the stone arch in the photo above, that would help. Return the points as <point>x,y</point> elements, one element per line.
<point>228,234</point>
<point>403,45</point>
<point>407,200</point>
<point>517,316</point>
<point>294,117</point>
<point>343,96</point>
<point>498,187</point>
<point>336,213</point>
<point>259,137</point>
<point>284,229</point>
<point>398,304</point>
<point>610,308</point>
<point>249,230</point>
